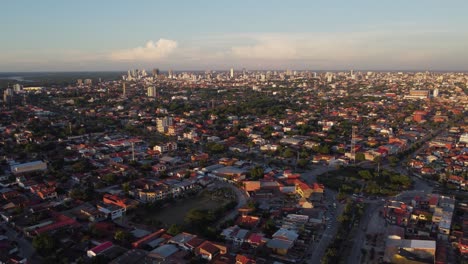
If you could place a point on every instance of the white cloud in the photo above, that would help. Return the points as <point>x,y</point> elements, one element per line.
<point>151,51</point>
<point>379,49</point>
<point>267,47</point>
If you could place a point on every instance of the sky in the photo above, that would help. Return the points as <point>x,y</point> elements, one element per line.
<point>90,35</point>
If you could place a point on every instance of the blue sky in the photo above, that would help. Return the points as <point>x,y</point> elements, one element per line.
<point>317,35</point>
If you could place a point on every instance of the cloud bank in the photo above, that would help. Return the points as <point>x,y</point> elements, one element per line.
<point>150,52</point>
<point>377,50</point>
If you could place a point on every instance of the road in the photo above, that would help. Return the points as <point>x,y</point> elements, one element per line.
<point>25,247</point>
<point>242,198</point>
<point>359,236</point>
<point>310,176</point>
<point>317,249</point>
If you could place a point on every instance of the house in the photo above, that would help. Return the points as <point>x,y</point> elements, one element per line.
<point>163,252</point>
<point>208,250</point>
<point>59,222</point>
<point>280,246</point>
<point>256,239</point>
<point>166,147</point>
<point>243,259</point>
<point>181,240</point>
<point>119,201</point>
<point>92,213</point>
<point>142,241</point>
<point>99,249</point>
<point>247,221</point>
<point>44,191</point>
<point>111,211</point>
<point>283,240</point>
<point>193,243</point>
<point>235,234</point>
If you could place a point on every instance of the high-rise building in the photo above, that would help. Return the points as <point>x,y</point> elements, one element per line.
<point>79,82</point>
<point>8,97</point>
<point>232,73</point>
<point>151,91</point>
<point>17,87</point>
<point>124,92</point>
<point>163,124</point>
<point>155,72</point>
<point>88,82</point>
<point>435,93</point>
<point>170,74</point>
<point>329,76</point>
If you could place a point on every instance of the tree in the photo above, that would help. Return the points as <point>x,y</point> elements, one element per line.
<point>360,156</point>
<point>109,178</point>
<point>365,174</point>
<point>44,244</point>
<point>174,229</point>
<point>195,216</point>
<point>270,227</point>
<point>256,173</point>
<point>126,187</point>
<point>288,153</point>
<point>302,163</point>
<point>121,235</point>
<point>393,160</point>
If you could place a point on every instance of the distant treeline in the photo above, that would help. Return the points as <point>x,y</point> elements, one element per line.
<point>54,78</point>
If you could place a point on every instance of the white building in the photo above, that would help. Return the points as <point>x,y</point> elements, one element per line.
<point>151,91</point>
<point>112,211</point>
<point>28,167</point>
<point>162,148</point>
<point>464,138</point>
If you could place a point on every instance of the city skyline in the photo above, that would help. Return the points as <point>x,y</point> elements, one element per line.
<point>56,36</point>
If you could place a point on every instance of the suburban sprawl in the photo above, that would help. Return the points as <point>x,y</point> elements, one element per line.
<point>236,167</point>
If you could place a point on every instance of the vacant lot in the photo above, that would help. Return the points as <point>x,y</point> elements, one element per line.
<point>174,212</point>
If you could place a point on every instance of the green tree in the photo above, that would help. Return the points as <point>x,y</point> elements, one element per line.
<point>174,229</point>
<point>360,156</point>
<point>288,153</point>
<point>44,244</point>
<point>121,235</point>
<point>109,178</point>
<point>302,163</point>
<point>393,160</point>
<point>256,173</point>
<point>365,174</point>
<point>269,227</point>
<point>126,187</point>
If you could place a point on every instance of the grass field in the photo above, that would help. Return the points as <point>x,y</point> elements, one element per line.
<point>175,212</point>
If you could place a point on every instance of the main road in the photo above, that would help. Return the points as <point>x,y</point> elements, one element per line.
<point>317,249</point>
<point>359,235</point>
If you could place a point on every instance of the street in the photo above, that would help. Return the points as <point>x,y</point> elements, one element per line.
<point>317,249</point>
<point>359,235</point>
<point>242,198</point>
<point>25,247</point>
